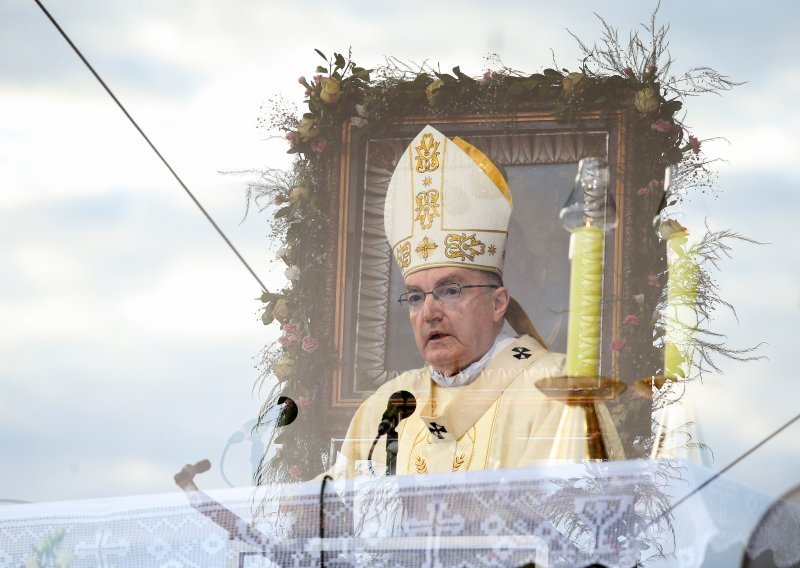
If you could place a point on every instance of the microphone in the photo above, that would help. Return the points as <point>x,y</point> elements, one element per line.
<point>401,405</point>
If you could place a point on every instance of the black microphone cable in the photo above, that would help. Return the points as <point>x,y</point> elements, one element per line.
<point>325,479</point>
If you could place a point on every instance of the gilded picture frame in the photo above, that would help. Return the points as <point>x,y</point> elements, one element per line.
<point>539,156</point>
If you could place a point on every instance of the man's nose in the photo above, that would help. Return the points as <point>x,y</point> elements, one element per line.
<point>431,308</point>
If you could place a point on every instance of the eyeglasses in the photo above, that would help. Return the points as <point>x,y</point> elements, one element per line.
<point>444,294</point>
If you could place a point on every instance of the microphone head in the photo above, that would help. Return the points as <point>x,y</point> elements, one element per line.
<point>288,412</point>
<point>401,405</point>
<point>404,401</point>
<point>202,466</point>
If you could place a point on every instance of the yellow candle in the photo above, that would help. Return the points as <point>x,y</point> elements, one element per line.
<point>681,315</point>
<point>585,295</point>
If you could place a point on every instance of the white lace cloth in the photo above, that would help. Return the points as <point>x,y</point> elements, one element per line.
<point>563,516</point>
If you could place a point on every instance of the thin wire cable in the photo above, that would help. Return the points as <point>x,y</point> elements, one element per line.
<point>714,477</point>
<point>163,160</point>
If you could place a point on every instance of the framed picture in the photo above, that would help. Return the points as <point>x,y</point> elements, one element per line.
<point>539,157</point>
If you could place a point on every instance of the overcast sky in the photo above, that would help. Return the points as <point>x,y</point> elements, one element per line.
<point>129,330</point>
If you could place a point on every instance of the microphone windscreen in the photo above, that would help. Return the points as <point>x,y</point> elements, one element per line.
<point>202,466</point>
<point>404,402</point>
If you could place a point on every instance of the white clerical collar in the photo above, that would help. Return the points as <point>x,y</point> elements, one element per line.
<point>466,376</point>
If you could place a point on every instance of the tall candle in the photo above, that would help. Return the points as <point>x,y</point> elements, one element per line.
<point>585,295</point>
<point>681,315</point>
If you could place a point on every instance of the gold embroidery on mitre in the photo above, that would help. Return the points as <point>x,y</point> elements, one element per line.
<point>403,254</point>
<point>427,154</point>
<point>492,250</point>
<point>427,181</point>
<point>425,248</point>
<point>427,208</point>
<point>463,246</point>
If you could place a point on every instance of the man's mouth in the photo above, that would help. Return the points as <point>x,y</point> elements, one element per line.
<point>436,335</point>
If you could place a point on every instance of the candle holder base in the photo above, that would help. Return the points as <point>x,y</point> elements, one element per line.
<point>581,395</point>
<point>644,386</point>
<point>580,390</point>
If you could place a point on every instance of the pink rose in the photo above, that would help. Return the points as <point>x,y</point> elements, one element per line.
<point>302,80</point>
<point>654,185</point>
<point>317,78</point>
<point>303,401</point>
<point>652,280</point>
<point>628,71</point>
<point>486,77</point>
<point>319,145</point>
<point>631,319</point>
<point>309,92</point>
<point>652,69</point>
<point>309,344</point>
<point>294,471</point>
<point>293,137</point>
<point>663,126</point>
<point>292,331</point>
<point>694,143</point>
<point>644,191</point>
<point>618,345</point>
<point>286,341</point>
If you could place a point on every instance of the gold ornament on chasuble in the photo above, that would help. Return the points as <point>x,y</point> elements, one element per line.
<point>420,457</point>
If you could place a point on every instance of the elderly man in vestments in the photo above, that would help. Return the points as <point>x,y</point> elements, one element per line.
<point>477,401</point>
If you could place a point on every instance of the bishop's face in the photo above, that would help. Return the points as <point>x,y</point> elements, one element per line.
<point>450,336</point>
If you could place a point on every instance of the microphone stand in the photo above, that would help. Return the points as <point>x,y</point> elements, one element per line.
<point>401,405</point>
<point>391,451</point>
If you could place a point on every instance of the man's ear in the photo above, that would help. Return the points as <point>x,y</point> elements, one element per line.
<point>501,299</point>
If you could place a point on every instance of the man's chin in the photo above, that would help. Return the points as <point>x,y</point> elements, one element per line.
<point>442,360</point>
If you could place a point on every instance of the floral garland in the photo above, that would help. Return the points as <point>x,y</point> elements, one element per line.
<point>634,78</point>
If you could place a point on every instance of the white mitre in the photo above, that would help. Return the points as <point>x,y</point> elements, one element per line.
<point>447,205</point>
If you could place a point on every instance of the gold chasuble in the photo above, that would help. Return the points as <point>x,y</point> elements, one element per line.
<point>500,420</point>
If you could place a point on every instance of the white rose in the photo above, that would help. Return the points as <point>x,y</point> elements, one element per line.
<point>299,193</point>
<point>292,272</point>
<point>307,128</point>
<point>645,100</point>
<point>670,227</point>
